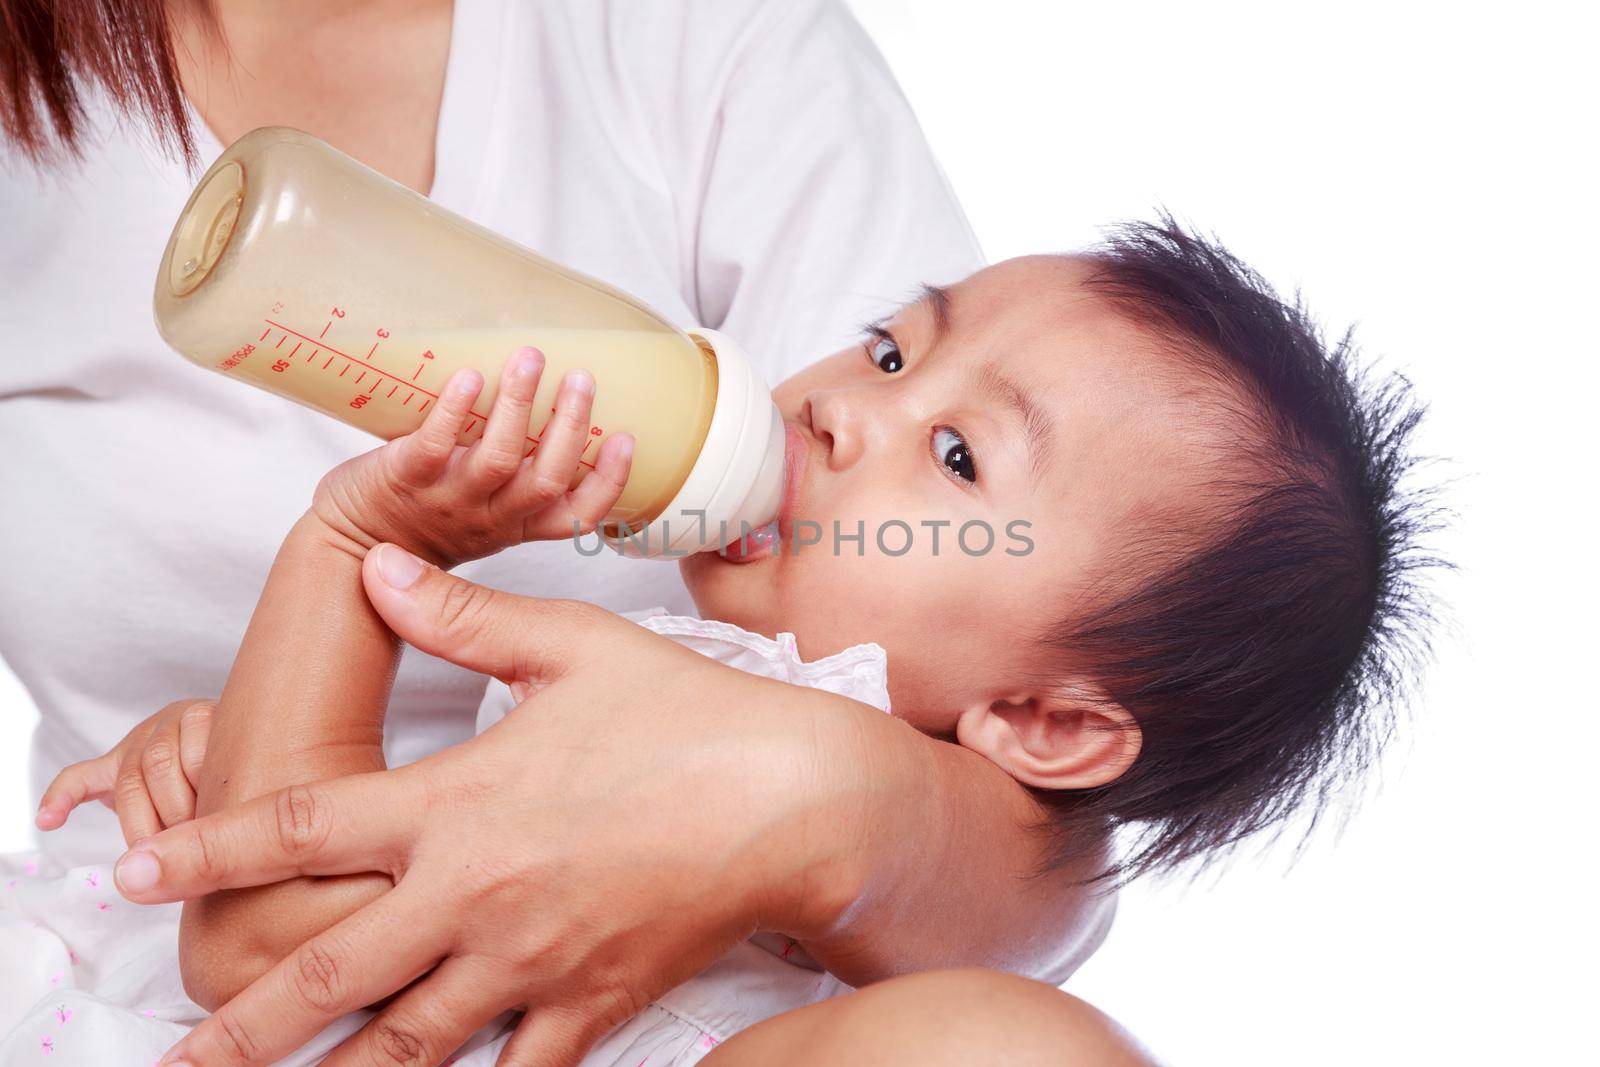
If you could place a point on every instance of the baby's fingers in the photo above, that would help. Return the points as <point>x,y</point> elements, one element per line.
<point>423,453</point>
<point>546,479</point>
<point>170,762</point>
<point>498,453</point>
<point>194,734</point>
<point>92,779</point>
<point>136,810</point>
<point>587,506</point>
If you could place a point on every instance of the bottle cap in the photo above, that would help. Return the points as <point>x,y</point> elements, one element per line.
<point>202,233</point>
<point>736,483</point>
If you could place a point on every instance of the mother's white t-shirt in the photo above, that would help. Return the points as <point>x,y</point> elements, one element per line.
<point>747,165</point>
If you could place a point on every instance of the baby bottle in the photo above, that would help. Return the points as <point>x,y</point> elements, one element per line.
<point>305,273</point>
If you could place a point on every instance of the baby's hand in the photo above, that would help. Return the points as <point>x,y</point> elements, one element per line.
<point>148,779</point>
<point>455,503</point>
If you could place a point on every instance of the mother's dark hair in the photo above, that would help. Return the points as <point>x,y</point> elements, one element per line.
<point>55,53</point>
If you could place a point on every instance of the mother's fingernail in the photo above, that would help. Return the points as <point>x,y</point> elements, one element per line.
<point>397,566</point>
<point>137,872</point>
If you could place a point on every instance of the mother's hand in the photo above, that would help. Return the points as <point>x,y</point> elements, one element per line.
<point>613,835</point>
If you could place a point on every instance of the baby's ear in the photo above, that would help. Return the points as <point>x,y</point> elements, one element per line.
<point>1060,740</point>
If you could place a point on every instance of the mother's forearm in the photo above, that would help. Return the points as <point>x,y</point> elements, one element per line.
<point>951,858</point>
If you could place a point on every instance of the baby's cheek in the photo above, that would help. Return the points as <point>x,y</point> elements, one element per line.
<point>913,708</point>
<point>930,679</point>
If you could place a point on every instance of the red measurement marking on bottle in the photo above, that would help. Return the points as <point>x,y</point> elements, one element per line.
<point>325,329</point>
<point>373,349</point>
<point>263,336</point>
<point>419,370</point>
<point>345,371</point>
<point>382,376</point>
<point>409,397</point>
<point>239,356</point>
<point>282,339</point>
<point>297,345</point>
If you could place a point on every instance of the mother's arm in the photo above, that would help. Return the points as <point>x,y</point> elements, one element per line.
<point>639,813</point>
<point>960,879</point>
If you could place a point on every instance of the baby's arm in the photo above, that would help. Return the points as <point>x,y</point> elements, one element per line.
<point>304,701</point>
<point>306,695</point>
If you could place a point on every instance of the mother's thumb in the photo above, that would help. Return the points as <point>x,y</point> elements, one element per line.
<point>510,637</point>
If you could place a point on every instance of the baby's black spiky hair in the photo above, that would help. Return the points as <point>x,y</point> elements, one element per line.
<point>1265,663</point>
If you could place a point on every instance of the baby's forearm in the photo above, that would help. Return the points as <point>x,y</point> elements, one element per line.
<point>304,701</point>
<point>306,695</point>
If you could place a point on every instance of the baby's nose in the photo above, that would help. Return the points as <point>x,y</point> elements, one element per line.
<point>832,417</point>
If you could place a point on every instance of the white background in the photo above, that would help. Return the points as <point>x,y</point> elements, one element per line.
<point>1420,171</point>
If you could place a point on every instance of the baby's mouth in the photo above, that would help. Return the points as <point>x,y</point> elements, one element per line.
<point>753,545</point>
<point>765,540</point>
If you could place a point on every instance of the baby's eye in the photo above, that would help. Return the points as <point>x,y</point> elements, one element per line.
<point>952,451</point>
<point>886,354</point>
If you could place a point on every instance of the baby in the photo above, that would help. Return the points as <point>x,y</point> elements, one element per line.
<point>1117,521</point>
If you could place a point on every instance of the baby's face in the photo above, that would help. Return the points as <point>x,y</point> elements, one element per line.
<point>1024,406</point>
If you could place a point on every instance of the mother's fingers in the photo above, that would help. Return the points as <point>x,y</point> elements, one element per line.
<point>485,630</point>
<point>551,1037</point>
<point>431,1019</point>
<point>342,826</point>
<point>356,962</point>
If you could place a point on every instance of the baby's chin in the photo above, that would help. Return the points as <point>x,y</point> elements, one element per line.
<point>735,593</point>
